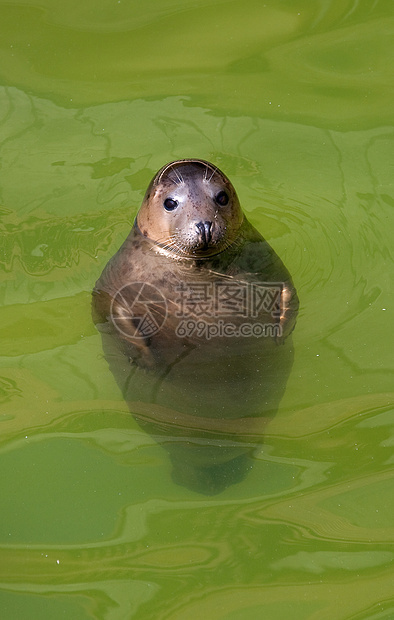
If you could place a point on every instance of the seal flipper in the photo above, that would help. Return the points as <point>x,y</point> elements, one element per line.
<point>114,321</point>
<point>288,311</point>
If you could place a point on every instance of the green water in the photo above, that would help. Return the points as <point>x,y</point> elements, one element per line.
<point>294,101</point>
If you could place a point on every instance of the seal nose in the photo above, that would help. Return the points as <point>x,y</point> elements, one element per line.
<point>204,230</point>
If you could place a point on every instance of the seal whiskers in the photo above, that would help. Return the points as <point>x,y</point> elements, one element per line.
<point>214,170</point>
<point>179,178</point>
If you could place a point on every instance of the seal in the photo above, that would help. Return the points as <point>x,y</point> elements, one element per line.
<point>196,312</point>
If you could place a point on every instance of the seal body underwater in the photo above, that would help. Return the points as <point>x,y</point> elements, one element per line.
<point>196,312</point>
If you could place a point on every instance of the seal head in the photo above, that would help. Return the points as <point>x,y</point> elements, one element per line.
<point>190,210</point>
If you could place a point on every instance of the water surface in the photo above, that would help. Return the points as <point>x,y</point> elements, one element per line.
<point>294,102</point>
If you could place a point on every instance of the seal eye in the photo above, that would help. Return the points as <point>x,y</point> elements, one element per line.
<point>170,204</point>
<point>222,198</point>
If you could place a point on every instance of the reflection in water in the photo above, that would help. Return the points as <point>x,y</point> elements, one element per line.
<point>195,311</point>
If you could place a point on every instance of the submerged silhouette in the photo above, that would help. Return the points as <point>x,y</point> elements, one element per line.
<point>195,312</point>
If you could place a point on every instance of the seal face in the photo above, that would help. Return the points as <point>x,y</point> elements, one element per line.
<point>195,312</point>
<point>190,210</point>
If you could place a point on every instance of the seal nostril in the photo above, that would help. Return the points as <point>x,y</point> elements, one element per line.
<point>208,231</point>
<point>201,231</point>
<point>204,231</point>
